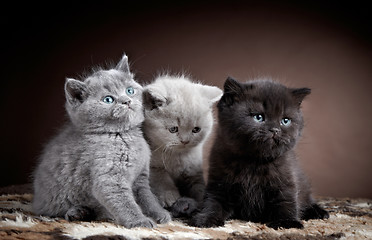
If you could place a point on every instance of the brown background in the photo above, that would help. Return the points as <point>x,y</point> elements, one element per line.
<point>324,46</point>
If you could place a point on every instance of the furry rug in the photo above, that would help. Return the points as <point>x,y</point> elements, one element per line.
<point>349,219</point>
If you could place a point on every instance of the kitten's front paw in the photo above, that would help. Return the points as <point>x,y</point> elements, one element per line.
<point>184,207</point>
<point>286,224</point>
<point>315,212</point>
<point>141,222</point>
<point>202,221</point>
<point>79,213</point>
<point>162,217</point>
<point>168,198</point>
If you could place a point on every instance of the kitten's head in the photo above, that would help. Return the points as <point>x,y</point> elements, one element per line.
<point>261,117</point>
<point>106,101</point>
<point>178,112</point>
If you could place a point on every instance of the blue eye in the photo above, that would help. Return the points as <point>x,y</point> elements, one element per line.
<point>108,99</point>
<point>285,122</point>
<point>130,90</point>
<point>258,118</point>
<point>173,129</point>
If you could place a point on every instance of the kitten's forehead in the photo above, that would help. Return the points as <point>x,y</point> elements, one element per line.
<point>272,96</point>
<point>111,80</point>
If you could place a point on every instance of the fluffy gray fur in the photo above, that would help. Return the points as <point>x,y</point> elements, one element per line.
<point>97,167</point>
<point>178,120</point>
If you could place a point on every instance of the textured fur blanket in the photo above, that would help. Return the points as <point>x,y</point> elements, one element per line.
<point>349,219</point>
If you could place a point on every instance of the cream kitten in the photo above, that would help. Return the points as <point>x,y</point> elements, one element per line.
<point>178,120</point>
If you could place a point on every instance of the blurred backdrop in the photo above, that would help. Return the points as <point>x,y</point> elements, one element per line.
<point>323,45</point>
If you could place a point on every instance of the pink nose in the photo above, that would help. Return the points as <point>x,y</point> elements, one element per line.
<point>185,142</point>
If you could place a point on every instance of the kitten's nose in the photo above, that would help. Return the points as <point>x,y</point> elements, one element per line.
<point>185,142</point>
<point>275,130</point>
<point>125,101</point>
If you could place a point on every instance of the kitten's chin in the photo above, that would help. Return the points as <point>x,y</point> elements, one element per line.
<point>270,150</point>
<point>182,147</point>
<point>127,115</point>
<point>121,112</point>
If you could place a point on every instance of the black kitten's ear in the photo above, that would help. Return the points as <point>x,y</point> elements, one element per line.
<point>75,91</point>
<point>300,93</point>
<point>152,100</point>
<point>232,86</point>
<point>123,64</point>
<point>232,89</point>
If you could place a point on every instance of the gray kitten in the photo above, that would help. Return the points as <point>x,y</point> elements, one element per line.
<point>97,167</point>
<point>178,121</point>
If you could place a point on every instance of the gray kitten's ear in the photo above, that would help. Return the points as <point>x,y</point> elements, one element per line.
<point>75,91</point>
<point>152,100</point>
<point>123,64</point>
<point>300,93</point>
<point>213,94</point>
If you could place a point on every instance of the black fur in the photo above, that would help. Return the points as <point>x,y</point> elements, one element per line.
<point>254,174</point>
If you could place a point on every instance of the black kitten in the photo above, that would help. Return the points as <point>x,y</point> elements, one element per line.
<point>253,173</point>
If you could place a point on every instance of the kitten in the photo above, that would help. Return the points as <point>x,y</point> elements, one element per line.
<point>178,120</point>
<point>254,174</point>
<point>97,167</point>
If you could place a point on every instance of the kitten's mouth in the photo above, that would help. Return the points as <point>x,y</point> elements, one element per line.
<point>121,112</point>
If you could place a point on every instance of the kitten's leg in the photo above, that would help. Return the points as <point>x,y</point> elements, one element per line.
<point>119,201</point>
<point>283,213</point>
<point>147,200</point>
<point>163,186</point>
<point>79,213</point>
<point>215,208</point>
<point>314,211</point>
<point>192,186</point>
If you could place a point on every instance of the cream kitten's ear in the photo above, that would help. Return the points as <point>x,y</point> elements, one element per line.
<point>123,64</point>
<point>213,94</point>
<point>153,100</point>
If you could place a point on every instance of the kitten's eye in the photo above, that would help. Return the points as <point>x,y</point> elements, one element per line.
<point>196,129</point>
<point>130,90</point>
<point>285,122</point>
<point>173,129</point>
<point>108,99</point>
<point>258,118</point>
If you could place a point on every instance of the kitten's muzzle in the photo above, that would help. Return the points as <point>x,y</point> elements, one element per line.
<point>185,142</point>
<point>275,131</point>
<point>124,100</point>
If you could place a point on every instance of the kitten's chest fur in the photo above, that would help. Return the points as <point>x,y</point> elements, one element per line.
<point>254,186</point>
<point>122,153</point>
<point>178,163</point>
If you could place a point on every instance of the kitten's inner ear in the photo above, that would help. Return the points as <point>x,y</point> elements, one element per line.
<point>213,94</point>
<point>153,100</point>
<point>75,91</point>
<point>299,94</point>
<point>123,64</point>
